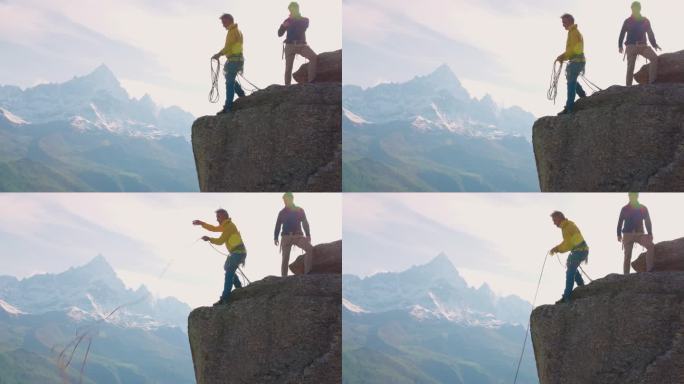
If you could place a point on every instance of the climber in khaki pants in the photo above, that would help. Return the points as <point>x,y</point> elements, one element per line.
<point>630,230</point>
<point>637,27</point>
<point>295,42</point>
<point>292,218</point>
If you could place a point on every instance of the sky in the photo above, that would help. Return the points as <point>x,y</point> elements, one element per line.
<point>496,238</point>
<point>496,47</point>
<point>157,47</point>
<point>142,234</point>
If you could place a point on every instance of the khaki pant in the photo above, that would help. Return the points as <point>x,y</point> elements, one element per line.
<point>303,50</point>
<point>632,51</point>
<point>286,243</point>
<point>628,240</point>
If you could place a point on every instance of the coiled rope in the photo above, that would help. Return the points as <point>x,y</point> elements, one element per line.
<point>553,86</point>
<point>214,94</point>
<point>555,75</point>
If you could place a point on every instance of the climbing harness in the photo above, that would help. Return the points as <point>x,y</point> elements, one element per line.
<point>534,301</point>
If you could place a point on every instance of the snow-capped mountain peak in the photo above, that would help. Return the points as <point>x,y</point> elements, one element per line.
<point>434,290</point>
<point>437,102</point>
<point>93,291</point>
<point>96,101</point>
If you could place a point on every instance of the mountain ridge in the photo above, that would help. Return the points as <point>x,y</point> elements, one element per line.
<point>428,134</point>
<point>143,342</point>
<point>87,134</point>
<point>422,325</point>
<point>93,288</point>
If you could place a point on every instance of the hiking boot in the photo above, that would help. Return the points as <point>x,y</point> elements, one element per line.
<point>561,301</point>
<point>220,302</point>
<point>564,112</point>
<point>222,112</point>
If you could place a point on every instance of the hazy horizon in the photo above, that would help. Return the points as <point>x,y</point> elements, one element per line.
<point>142,234</point>
<point>153,47</point>
<point>509,57</point>
<point>496,238</point>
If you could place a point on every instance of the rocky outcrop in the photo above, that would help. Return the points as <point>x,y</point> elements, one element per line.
<point>670,69</point>
<point>327,259</point>
<point>328,69</point>
<point>278,330</point>
<point>280,138</point>
<point>620,139</point>
<point>669,256</point>
<point>616,330</point>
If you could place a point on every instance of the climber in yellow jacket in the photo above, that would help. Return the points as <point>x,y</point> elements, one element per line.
<point>231,238</point>
<point>235,61</point>
<point>574,243</point>
<point>574,55</point>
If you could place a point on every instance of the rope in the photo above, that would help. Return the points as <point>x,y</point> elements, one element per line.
<point>534,301</point>
<point>254,89</point>
<point>580,268</point>
<point>553,86</point>
<point>90,341</point>
<point>240,271</point>
<point>555,75</point>
<point>588,83</point>
<point>214,94</point>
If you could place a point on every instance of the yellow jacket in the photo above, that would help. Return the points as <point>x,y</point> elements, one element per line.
<point>574,47</point>
<point>233,46</point>
<point>230,236</point>
<point>572,238</point>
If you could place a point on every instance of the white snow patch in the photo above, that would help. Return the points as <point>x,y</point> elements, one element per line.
<point>422,124</point>
<point>78,314</point>
<point>80,123</point>
<point>9,308</point>
<point>102,121</point>
<point>354,118</point>
<point>450,315</point>
<point>14,119</point>
<point>422,313</point>
<point>352,307</point>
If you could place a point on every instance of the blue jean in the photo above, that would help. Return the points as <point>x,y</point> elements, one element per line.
<point>572,275</point>
<point>231,70</point>
<point>572,72</point>
<point>231,265</point>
